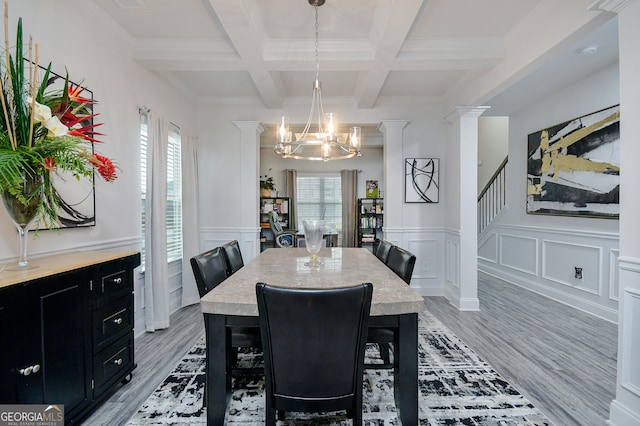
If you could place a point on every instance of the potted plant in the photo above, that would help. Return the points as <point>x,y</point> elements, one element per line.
<point>267,186</point>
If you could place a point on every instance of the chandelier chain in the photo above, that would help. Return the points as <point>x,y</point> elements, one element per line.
<point>325,144</point>
<point>317,35</point>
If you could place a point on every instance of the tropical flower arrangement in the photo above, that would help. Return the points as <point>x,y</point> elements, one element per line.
<point>43,132</point>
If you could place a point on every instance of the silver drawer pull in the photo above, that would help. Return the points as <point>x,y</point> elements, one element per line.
<point>118,361</point>
<point>29,370</point>
<point>118,321</point>
<point>118,280</point>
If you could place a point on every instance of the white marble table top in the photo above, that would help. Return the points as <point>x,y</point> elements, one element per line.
<point>286,268</point>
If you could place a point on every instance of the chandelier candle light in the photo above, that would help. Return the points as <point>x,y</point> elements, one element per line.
<point>326,143</point>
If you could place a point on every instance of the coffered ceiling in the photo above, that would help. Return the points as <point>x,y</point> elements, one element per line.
<point>368,49</point>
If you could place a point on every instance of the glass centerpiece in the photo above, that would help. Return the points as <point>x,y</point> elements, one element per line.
<point>313,233</point>
<point>43,132</point>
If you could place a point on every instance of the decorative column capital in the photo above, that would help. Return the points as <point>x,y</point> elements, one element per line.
<point>386,125</point>
<point>614,6</point>
<point>465,111</point>
<point>258,126</point>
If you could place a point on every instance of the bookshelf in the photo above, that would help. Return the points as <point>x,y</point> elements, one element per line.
<point>268,204</point>
<point>370,221</point>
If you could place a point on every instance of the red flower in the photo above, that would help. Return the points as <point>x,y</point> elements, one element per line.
<point>105,167</point>
<point>49,163</point>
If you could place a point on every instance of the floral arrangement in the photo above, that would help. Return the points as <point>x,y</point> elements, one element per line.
<point>266,182</point>
<point>43,132</point>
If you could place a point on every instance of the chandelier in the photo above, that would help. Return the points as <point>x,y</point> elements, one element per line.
<point>326,143</point>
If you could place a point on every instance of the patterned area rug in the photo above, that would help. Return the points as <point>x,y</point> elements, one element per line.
<point>456,387</point>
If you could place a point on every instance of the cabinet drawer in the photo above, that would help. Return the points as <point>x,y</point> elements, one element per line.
<point>112,281</point>
<point>111,322</point>
<point>113,364</point>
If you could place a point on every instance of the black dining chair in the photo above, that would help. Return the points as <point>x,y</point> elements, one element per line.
<point>382,250</point>
<point>314,342</point>
<point>233,256</point>
<point>402,263</point>
<point>210,269</point>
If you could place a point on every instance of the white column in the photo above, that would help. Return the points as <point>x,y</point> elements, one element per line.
<point>249,187</point>
<point>465,296</point>
<point>625,408</point>
<point>393,168</point>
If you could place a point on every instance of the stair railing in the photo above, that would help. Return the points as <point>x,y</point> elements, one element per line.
<point>492,198</point>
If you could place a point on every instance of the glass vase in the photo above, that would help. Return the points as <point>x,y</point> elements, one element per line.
<point>22,215</point>
<point>313,233</point>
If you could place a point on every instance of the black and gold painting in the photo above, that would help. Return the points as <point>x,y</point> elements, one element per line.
<point>573,168</point>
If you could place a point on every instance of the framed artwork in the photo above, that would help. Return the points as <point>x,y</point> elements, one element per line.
<point>77,197</point>
<point>421,180</point>
<point>372,189</point>
<point>573,168</point>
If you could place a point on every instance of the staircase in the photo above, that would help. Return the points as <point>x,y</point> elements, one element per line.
<point>493,198</point>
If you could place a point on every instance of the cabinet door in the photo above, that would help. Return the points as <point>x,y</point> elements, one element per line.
<point>55,337</point>
<point>7,368</point>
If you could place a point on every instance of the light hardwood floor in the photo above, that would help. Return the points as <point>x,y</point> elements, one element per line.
<point>562,359</point>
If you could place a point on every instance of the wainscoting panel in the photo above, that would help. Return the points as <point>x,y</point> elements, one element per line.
<point>453,263</point>
<point>544,260</point>
<point>519,253</point>
<point>574,265</point>
<point>614,275</point>
<point>625,409</point>
<point>427,264</point>
<point>427,245</point>
<point>488,248</point>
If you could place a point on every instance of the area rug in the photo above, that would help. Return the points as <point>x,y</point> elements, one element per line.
<point>456,387</point>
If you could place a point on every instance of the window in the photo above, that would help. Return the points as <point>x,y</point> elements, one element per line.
<point>319,197</point>
<point>174,190</point>
<point>174,196</point>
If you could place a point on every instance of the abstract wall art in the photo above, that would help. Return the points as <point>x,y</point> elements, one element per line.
<point>421,180</point>
<point>76,196</point>
<point>573,168</point>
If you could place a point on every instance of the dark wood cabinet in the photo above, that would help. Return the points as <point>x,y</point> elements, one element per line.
<point>67,335</point>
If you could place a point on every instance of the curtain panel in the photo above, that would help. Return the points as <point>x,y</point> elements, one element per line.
<point>290,188</point>
<point>156,288</point>
<point>190,216</point>
<point>349,182</point>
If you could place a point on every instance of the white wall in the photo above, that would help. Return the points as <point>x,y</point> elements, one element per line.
<point>370,165</point>
<point>493,147</point>
<point>220,166</point>
<point>77,35</point>
<point>540,252</point>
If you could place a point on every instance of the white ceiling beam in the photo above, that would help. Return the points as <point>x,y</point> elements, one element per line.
<point>392,22</point>
<point>243,25</point>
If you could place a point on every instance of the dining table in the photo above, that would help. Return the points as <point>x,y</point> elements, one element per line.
<point>394,304</point>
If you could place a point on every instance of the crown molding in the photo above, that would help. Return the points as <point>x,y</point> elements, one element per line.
<point>614,6</point>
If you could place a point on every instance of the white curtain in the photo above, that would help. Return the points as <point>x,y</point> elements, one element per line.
<point>156,287</point>
<point>190,217</point>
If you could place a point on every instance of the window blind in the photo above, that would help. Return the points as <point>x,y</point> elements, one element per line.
<point>319,197</point>
<point>174,190</point>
